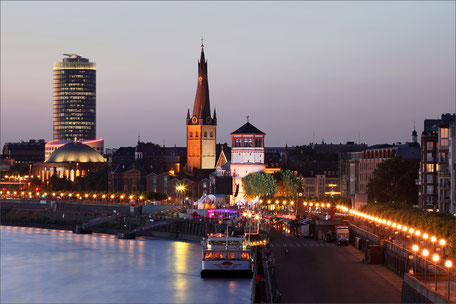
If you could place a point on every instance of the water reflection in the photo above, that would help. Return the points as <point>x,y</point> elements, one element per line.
<point>54,266</point>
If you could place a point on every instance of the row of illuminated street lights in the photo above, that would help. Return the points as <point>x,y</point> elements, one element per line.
<point>435,257</point>
<point>17,177</point>
<point>70,195</point>
<point>310,204</point>
<point>277,202</point>
<point>412,231</point>
<point>415,248</point>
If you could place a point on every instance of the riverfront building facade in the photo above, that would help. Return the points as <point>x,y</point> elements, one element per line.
<point>247,155</point>
<point>74,98</point>
<point>437,178</point>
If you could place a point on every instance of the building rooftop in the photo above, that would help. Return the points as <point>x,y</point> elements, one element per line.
<point>248,128</point>
<point>75,152</point>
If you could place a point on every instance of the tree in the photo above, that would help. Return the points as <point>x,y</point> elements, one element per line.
<point>97,181</point>
<point>156,196</point>
<point>288,183</point>
<point>307,153</point>
<point>259,184</point>
<point>394,182</point>
<point>19,169</point>
<point>59,183</point>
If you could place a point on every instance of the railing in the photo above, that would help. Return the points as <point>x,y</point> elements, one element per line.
<point>272,291</point>
<point>403,261</point>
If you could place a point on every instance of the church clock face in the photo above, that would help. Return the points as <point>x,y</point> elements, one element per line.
<point>208,120</point>
<point>194,119</point>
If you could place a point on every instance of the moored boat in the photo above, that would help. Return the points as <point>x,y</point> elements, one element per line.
<point>224,254</point>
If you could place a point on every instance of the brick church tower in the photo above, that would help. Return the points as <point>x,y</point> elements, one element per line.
<point>201,126</point>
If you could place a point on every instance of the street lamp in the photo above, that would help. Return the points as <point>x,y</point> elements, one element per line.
<point>435,258</point>
<point>415,249</point>
<point>433,240</point>
<point>442,243</point>
<point>425,254</point>
<point>448,264</point>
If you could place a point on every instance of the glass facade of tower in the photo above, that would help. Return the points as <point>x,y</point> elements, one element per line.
<point>74,99</point>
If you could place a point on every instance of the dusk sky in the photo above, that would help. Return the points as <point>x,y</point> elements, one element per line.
<point>333,69</point>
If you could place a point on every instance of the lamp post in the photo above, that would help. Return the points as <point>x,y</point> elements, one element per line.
<point>448,264</point>
<point>433,240</point>
<point>442,243</point>
<point>425,254</point>
<point>257,217</point>
<point>415,249</point>
<point>417,234</point>
<point>435,258</point>
<point>249,215</point>
<point>180,190</point>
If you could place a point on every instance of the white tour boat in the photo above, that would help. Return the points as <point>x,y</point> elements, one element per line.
<point>224,254</point>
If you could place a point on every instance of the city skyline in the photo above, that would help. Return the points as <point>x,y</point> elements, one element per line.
<point>392,62</point>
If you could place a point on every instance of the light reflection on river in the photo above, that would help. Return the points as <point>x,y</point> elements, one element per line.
<point>55,266</point>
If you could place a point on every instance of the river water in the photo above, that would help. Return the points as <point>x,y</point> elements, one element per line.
<point>56,266</point>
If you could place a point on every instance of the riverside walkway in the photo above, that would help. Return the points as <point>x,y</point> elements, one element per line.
<point>316,272</point>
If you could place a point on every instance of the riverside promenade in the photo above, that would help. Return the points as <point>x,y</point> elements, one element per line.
<point>318,272</point>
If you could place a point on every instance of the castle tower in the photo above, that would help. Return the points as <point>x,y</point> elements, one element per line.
<point>201,126</point>
<point>247,155</point>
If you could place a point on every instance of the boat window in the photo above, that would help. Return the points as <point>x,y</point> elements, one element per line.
<point>223,243</point>
<point>208,255</point>
<point>245,255</point>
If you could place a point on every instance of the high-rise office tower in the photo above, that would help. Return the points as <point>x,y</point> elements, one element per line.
<point>74,98</point>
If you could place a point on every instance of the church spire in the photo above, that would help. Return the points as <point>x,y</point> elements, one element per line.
<point>202,107</point>
<point>215,116</point>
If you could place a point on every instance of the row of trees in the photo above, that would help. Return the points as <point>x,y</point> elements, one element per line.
<point>284,183</point>
<point>436,223</point>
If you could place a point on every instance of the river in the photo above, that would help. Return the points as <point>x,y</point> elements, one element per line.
<point>56,266</point>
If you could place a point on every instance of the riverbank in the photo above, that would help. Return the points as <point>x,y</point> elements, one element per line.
<point>159,234</point>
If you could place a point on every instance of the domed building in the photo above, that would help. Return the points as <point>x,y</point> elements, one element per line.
<point>71,160</point>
